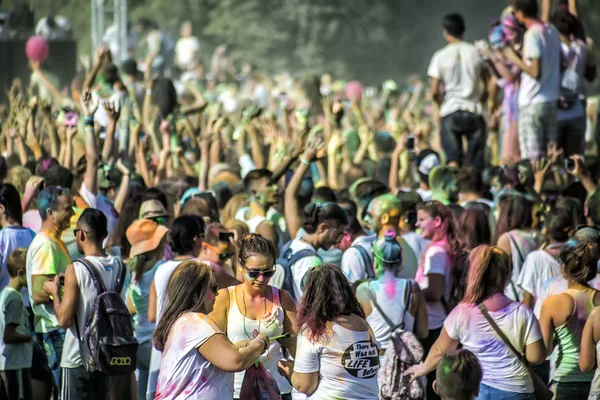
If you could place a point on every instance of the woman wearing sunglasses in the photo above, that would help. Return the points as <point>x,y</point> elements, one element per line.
<point>254,307</point>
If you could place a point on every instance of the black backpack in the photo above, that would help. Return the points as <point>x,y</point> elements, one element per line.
<point>108,344</point>
<point>286,259</point>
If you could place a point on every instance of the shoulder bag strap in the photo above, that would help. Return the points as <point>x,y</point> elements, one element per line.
<point>385,317</point>
<point>502,336</point>
<point>367,260</point>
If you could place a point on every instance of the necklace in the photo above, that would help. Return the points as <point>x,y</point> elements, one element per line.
<point>246,313</point>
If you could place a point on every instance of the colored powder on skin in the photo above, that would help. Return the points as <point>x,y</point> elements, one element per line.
<point>390,289</point>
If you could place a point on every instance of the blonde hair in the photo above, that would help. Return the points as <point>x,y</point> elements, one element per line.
<point>233,205</point>
<point>489,271</point>
<point>18,177</point>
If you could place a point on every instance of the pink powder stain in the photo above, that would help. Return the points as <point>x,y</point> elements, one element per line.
<point>390,289</point>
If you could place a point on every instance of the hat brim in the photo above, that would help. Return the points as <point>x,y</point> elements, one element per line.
<point>150,244</point>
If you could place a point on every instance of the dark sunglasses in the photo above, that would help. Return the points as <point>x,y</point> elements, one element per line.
<point>254,274</point>
<point>76,231</point>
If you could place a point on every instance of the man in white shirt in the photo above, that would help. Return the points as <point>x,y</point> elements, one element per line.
<point>540,80</point>
<point>187,49</point>
<point>78,301</point>
<point>458,68</point>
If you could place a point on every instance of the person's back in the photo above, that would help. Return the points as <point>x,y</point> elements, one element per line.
<point>568,336</point>
<point>357,367</point>
<point>458,66</point>
<point>110,270</point>
<point>390,297</point>
<point>503,371</point>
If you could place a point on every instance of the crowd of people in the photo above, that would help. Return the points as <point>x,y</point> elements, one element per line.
<point>179,233</point>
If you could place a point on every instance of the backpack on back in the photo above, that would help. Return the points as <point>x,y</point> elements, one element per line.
<point>286,259</point>
<point>108,344</point>
<point>403,351</point>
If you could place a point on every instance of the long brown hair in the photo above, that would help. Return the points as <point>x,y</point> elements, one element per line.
<point>489,271</point>
<point>187,287</point>
<point>515,213</point>
<point>447,231</point>
<point>326,295</point>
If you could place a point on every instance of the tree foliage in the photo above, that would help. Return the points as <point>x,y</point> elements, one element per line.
<point>366,39</point>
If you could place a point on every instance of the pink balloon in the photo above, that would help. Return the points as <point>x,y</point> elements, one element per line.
<point>37,49</point>
<point>354,90</point>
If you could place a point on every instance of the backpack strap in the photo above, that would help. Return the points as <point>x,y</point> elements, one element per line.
<point>96,278</point>
<point>98,283</point>
<point>407,297</point>
<point>122,276</point>
<point>367,260</point>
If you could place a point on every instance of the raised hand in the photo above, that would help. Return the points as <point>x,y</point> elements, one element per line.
<point>113,110</point>
<point>314,146</point>
<point>23,116</point>
<point>335,142</point>
<point>122,167</point>
<point>89,105</point>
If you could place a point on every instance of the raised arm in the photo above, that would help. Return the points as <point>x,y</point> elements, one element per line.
<point>89,106</point>
<point>124,187</point>
<point>113,110</point>
<point>292,211</point>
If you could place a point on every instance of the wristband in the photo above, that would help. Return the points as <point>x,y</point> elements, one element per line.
<point>304,160</point>
<point>263,342</point>
<point>88,119</point>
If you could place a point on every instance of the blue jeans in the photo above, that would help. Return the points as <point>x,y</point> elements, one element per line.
<point>489,393</point>
<point>53,345</point>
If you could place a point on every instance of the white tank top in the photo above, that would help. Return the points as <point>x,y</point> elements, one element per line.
<point>241,328</point>
<point>390,297</point>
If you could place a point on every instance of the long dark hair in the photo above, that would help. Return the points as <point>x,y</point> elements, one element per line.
<point>515,213</point>
<point>10,199</point>
<point>326,295</point>
<point>186,290</point>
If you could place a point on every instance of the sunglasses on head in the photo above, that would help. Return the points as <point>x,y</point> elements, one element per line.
<point>159,220</point>
<point>255,274</point>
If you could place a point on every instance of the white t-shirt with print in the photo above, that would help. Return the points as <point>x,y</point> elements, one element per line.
<point>347,364</point>
<point>458,67</point>
<point>539,266</point>
<point>541,42</point>
<point>12,311</point>
<point>184,372</point>
<point>109,269</point>
<point>501,369</point>
<point>435,261</point>
<point>302,266</point>
<point>353,262</point>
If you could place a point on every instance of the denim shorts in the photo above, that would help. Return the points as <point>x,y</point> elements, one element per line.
<point>489,393</point>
